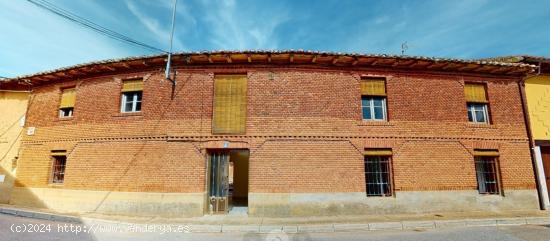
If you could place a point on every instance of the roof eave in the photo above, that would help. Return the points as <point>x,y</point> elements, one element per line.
<point>281,57</point>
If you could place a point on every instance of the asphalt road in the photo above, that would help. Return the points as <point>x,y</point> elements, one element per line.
<point>14,228</point>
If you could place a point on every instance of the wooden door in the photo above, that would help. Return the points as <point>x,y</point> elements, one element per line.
<point>218,182</point>
<point>545,152</point>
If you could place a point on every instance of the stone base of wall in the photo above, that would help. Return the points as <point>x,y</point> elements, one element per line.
<point>111,203</point>
<point>272,204</point>
<point>324,204</point>
<point>6,186</point>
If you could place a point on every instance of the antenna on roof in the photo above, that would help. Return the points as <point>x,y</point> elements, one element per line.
<point>404,47</point>
<point>169,61</point>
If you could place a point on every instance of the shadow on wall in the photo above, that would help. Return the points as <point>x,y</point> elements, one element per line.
<point>7,186</point>
<point>6,189</point>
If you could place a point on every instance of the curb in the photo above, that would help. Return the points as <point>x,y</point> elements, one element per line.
<point>40,215</point>
<point>317,228</point>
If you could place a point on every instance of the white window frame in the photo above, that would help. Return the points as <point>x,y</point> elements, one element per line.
<point>474,113</point>
<point>66,116</point>
<point>134,101</point>
<point>371,108</point>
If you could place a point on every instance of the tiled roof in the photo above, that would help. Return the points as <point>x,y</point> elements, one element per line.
<point>291,56</point>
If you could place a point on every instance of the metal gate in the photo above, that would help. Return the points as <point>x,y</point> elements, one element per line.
<point>218,193</point>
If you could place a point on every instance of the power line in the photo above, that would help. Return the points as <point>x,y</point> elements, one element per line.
<point>91,25</point>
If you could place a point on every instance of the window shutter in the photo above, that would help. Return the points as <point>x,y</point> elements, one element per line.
<point>373,86</point>
<point>475,93</point>
<point>378,152</point>
<point>229,104</point>
<point>132,85</point>
<point>68,98</point>
<point>486,152</point>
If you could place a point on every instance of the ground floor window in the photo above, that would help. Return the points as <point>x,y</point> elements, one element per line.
<point>58,170</point>
<point>487,174</point>
<point>378,175</point>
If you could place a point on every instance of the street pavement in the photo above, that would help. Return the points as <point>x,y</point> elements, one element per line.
<point>15,228</point>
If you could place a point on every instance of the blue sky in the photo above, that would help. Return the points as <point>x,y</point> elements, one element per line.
<point>32,39</point>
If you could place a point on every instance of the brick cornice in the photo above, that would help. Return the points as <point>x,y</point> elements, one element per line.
<point>199,138</point>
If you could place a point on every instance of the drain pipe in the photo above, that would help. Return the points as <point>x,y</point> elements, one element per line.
<point>527,121</point>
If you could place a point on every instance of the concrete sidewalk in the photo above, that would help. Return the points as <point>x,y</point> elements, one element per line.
<point>245,224</point>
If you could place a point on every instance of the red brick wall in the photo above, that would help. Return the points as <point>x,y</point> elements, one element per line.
<point>304,131</point>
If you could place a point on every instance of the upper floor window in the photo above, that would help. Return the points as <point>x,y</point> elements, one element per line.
<point>487,173</point>
<point>477,103</point>
<point>132,91</point>
<point>66,105</point>
<point>373,99</point>
<point>230,104</point>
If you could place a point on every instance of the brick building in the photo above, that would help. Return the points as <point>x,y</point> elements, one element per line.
<point>289,133</point>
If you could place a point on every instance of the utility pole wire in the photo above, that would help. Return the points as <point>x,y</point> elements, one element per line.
<point>91,25</point>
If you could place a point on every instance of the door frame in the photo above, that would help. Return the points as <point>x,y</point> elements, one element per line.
<point>541,174</point>
<point>208,151</point>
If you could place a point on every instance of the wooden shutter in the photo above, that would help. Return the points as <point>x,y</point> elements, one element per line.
<point>132,85</point>
<point>373,86</point>
<point>378,152</point>
<point>475,93</point>
<point>68,98</point>
<point>229,104</point>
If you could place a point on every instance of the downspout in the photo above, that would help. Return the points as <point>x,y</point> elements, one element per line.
<point>527,121</point>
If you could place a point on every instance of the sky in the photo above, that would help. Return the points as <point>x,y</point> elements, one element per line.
<point>33,39</point>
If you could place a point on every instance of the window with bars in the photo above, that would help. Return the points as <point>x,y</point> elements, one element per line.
<point>487,174</point>
<point>58,169</point>
<point>378,175</point>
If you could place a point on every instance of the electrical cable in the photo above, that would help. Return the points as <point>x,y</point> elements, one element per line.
<point>91,25</point>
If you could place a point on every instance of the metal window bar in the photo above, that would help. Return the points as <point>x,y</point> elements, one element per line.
<point>377,176</point>
<point>487,178</point>
<point>59,169</point>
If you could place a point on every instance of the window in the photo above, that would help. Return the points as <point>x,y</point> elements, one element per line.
<point>132,91</point>
<point>131,101</point>
<point>58,169</point>
<point>66,112</point>
<point>476,102</point>
<point>378,173</point>
<point>373,99</point>
<point>230,104</point>
<point>487,171</point>
<point>66,105</point>
<point>374,108</point>
<point>477,113</point>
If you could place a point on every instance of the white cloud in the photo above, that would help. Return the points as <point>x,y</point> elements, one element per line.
<point>238,28</point>
<point>160,30</point>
